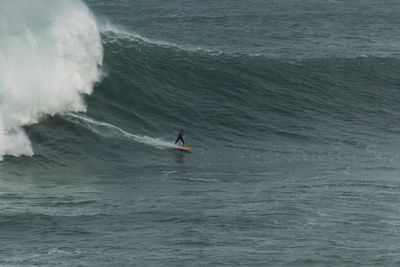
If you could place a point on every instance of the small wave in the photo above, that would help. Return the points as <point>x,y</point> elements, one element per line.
<point>65,251</point>
<point>198,180</point>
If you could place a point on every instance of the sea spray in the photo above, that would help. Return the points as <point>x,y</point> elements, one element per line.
<point>50,53</point>
<point>111,131</point>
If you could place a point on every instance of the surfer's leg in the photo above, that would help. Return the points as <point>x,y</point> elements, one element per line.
<point>180,138</point>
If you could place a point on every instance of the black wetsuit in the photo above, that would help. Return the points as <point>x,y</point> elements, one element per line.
<point>180,137</point>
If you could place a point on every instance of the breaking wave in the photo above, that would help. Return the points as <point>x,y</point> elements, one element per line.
<point>50,53</point>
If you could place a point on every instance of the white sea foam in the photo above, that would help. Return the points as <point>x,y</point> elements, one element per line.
<point>108,130</point>
<point>113,31</point>
<point>50,52</point>
<point>108,27</point>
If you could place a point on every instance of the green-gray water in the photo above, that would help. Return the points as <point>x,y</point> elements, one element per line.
<point>291,108</point>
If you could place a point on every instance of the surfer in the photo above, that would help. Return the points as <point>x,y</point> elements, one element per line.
<point>180,137</point>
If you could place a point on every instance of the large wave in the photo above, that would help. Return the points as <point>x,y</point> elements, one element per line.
<point>50,53</point>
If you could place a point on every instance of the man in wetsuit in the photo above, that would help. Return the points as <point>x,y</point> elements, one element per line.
<point>180,137</point>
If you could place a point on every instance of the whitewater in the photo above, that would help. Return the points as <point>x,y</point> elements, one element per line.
<point>50,55</point>
<point>111,131</point>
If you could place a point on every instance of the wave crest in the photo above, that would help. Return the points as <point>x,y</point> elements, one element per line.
<point>50,53</point>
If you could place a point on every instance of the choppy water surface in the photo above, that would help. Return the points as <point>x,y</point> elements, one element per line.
<point>291,108</point>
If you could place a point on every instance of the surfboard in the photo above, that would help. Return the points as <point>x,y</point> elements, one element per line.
<point>184,148</point>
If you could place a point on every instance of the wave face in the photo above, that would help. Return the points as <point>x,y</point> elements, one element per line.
<point>231,96</point>
<point>49,56</point>
<point>228,103</point>
<point>240,110</point>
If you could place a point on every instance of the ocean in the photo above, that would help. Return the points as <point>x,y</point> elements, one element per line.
<point>291,108</point>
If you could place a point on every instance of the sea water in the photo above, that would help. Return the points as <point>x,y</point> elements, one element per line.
<point>291,108</point>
